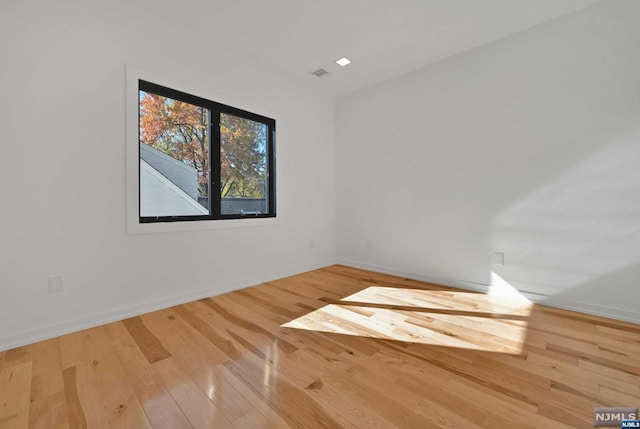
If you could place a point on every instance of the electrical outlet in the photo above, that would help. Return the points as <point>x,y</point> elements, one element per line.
<point>312,244</point>
<point>55,284</point>
<point>498,258</point>
<point>368,244</point>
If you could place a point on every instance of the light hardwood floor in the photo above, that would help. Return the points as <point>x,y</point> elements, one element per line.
<point>336,347</point>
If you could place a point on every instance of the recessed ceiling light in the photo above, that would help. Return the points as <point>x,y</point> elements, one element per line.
<point>343,61</point>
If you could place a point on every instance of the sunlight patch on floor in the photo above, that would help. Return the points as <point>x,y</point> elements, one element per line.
<point>447,318</point>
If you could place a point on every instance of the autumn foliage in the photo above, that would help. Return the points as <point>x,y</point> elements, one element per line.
<point>181,130</point>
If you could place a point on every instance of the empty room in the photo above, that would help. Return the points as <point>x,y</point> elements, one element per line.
<point>304,214</point>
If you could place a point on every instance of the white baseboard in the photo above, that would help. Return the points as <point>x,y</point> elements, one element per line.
<point>551,301</point>
<point>54,330</point>
<point>461,284</point>
<point>583,307</point>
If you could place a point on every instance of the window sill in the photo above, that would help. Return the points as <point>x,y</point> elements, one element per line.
<point>134,227</point>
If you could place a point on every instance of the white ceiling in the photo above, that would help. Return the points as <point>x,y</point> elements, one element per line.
<point>383,38</point>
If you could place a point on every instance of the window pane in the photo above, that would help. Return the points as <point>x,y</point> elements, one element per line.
<point>243,166</point>
<point>174,157</point>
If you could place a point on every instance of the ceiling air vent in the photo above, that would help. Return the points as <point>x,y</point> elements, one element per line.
<point>320,72</point>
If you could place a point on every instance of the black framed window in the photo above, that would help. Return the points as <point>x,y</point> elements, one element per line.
<point>202,160</point>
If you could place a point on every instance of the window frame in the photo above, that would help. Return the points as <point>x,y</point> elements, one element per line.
<point>137,224</point>
<point>215,140</point>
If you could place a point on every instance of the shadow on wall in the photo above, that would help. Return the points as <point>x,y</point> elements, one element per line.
<point>578,238</point>
<point>621,286</point>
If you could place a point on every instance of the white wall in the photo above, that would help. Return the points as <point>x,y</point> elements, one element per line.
<point>62,168</point>
<point>528,146</point>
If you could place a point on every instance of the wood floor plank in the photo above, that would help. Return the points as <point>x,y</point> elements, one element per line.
<point>48,404</point>
<point>73,350</point>
<point>182,341</point>
<point>254,419</point>
<point>88,398</point>
<point>220,392</point>
<point>291,403</point>
<point>15,389</point>
<point>147,342</point>
<point>200,359</point>
<point>49,412</point>
<point>75,413</point>
<point>112,385</point>
<point>337,347</point>
<point>269,413</point>
<point>523,413</point>
<point>193,402</point>
<point>46,369</point>
<point>16,356</point>
<point>208,332</point>
<point>160,408</point>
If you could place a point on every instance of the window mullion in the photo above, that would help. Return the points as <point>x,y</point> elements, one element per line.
<point>214,162</point>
